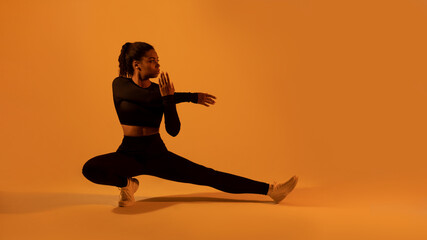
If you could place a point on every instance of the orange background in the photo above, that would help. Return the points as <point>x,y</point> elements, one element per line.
<point>332,91</point>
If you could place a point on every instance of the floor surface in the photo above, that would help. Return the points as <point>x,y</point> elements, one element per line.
<point>199,212</point>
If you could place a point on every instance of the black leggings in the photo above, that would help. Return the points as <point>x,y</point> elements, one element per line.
<point>148,155</point>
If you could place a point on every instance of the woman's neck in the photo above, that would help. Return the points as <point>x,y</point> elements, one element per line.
<point>144,83</point>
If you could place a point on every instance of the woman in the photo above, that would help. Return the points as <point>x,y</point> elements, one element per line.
<point>140,105</point>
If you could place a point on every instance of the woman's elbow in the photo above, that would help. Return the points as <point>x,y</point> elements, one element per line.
<point>173,131</point>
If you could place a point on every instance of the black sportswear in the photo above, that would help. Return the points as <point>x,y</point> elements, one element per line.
<point>140,106</point>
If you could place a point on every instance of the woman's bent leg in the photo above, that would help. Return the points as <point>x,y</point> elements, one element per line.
<point>111,169</point>
<point>176,168</point>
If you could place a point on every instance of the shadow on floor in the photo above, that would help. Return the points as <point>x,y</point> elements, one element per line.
<point>24,202</point>
<point>301,197</point>
<point>157,203</point>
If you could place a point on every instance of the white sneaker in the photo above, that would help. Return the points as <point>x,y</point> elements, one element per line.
<point>126,193</point>
<point>279,191</point>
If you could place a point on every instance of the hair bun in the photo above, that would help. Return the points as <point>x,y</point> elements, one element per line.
<point>126,46</point>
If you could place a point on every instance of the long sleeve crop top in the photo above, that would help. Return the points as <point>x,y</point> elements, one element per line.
<point>140,106</point>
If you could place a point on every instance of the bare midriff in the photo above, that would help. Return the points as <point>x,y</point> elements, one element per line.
<point>135,131</point>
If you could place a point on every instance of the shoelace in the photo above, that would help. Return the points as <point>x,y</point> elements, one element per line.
<point>278,187</point>
<point>291,184</point>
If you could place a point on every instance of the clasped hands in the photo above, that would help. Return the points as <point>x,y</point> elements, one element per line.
<point>167,88</point>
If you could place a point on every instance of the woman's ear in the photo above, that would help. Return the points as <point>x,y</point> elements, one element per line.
<point>136,64</point>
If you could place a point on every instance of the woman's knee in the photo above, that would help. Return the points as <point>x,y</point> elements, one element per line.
<point>91,169</point>
<point>102,167</point>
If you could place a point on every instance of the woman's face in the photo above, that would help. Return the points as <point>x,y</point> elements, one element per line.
<point>149,65</point>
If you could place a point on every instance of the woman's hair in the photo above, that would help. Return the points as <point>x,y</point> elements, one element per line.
<point>130,52</point>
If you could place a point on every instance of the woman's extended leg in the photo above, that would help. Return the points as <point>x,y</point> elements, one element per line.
<point>171,166</point>
<point>114,169</point>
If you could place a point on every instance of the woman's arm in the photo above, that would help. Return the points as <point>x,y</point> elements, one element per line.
<point>200,98</point>
<point>186,97</point>
<point>167,90</point>
<point>172,123</point>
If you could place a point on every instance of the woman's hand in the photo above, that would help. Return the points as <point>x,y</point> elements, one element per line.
<point>166,87</point>
<point>204,98</point>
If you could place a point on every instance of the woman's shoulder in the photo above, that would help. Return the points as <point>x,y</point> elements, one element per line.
<point>120,79</point>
